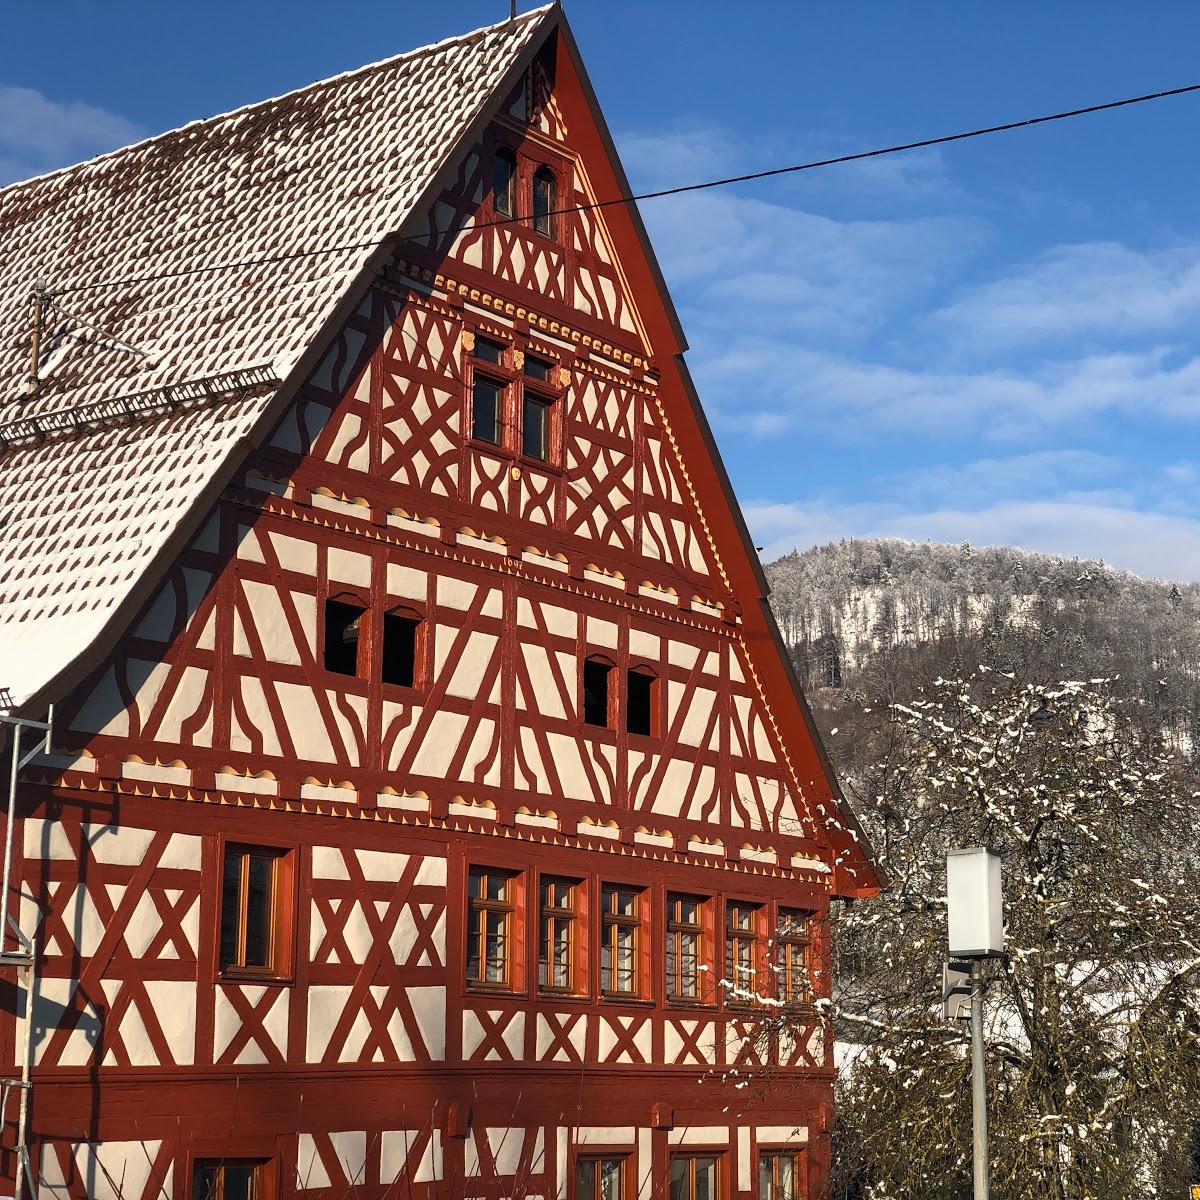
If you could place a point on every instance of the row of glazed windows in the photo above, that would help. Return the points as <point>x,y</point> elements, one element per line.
<point>766,949</point>
<point>400,662</point>
<point>781,1176</point>
<point>613,951</point>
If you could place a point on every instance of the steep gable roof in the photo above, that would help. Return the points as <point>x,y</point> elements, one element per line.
<point>194,343</point>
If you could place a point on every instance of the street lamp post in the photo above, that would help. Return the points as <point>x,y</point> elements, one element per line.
<point>976,931</point>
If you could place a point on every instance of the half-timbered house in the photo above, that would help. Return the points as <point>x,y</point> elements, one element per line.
<point>422,761</point>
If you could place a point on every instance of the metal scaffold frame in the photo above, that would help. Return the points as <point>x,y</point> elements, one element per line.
<point>17,950</point>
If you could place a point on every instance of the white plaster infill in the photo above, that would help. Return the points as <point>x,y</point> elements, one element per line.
<point>258,785</point>
<point>418,802</point>
<point>331,793</point>
<point>144,772</point>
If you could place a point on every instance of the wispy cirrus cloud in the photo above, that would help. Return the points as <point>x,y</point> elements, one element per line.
<point>38,134</point>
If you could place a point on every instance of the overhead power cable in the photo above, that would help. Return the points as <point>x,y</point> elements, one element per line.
<point>679,190</point>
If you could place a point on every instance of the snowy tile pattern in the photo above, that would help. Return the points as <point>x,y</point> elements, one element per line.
<point>344,161</point>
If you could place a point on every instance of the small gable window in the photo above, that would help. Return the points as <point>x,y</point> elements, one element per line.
<point>401,632</point>
<point>545,200</point>
<point>487,408</point>
<point>504,175</point>
<point>596,674</point>
<point>343,623</point>
<point>639,702</point>
<point>535,427</point>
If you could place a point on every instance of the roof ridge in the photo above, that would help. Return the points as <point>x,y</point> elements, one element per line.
<point>417,52</point>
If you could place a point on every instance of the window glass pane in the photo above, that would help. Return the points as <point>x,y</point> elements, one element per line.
<point>497,886</point>
<point>239,1183</point>
<point>537,368</point>
<point>259,910</point>
<point>585,1179</point>
<point>680,1179</point>
<point>399,649</point>
<point>706,1179</point>
<point>503,169</point>
<point>766,1187</point>
<point>496,947</point>
<point>204,1182</point>
<point>474,882</point>
<point>535,428</point>
<point>639,706</point>
<point>610,1179</point>
<point>474,945</point>
<point>485,410</point>
<point>786,1176</point>
<point>231,904</point>
<point>341,637</point>
<point>595,692</point>
<point>543,202</point>
<point>488,350</point>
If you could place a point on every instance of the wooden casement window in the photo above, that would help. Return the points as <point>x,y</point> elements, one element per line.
<point>695,1177</point>
<point>597,697</point>
<point>781,1175</point>
<point>793,939</point>
<point>504,182</point>
<point>255,912</point>
<point>537,411</point>
<point>514,401</point>
<point>742,949</point>
<point>600,1177</point>
<point>342,641</point>
<point>641,695</point>
<point>228,1179</point>
<point>686,950</point>
<point>558,935</point>
<point>487,409</point>
<point>491,932</point>
<point>545,201</point>
<point>620,940</point>
<point>400,657</point>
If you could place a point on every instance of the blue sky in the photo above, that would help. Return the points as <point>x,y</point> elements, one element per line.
<point>996,340</point>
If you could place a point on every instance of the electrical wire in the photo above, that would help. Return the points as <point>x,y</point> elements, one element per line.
<point>682,189</point>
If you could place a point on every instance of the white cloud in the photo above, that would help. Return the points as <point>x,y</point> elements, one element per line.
<point>1150,543</point>
<point>1088,288</point>
<point>38,134</point>
<point>856,398</point>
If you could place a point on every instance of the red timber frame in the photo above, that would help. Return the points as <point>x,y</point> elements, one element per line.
<point>365,1063</point>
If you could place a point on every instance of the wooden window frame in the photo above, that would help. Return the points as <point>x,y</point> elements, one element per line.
<point>281,968</point>
<point>788,946</point>
<point>230,1156</point>
<point>362,658</point>
<point>735,936</point>
<point>800,1168</point>
<point>645,671</point>
<point>719,1154</point>
<point>611,723</point>
<point>511,907</point>
<point>553,218</point>
<point>609,923</point>
<point>622,1154</point>
<point>504,150</point>
<point>420,647</point>
<point>676,928</point>
<point>514,384</point>
<point>574,916</point>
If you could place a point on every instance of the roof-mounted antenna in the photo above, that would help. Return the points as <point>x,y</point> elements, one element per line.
<point>39,302</point>
<point>512,10</point>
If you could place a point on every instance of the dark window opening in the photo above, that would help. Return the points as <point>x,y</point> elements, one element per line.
<point>400,649</point>
<point>504,173</point>
<point>248,909</point>
<point>486,398</point>
<point>535,428</point>
<point>538,368</point>
<point>694,1177</point>
<point>639,703</point>
<point>595,692</point>
<point>489,351</point>
<point>227,1180</point>
<point>600,1179</point>
<point>544,201</point>
<point>342,624</point>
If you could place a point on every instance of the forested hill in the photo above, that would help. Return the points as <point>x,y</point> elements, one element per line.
<point>875,619</point>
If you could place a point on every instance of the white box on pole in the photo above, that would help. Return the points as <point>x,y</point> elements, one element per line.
<point>974,909</point>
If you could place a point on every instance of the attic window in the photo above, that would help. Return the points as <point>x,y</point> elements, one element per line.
<point>400,633</point>
<point>596,674</point>
<point>504,174</point>
<point>545,193</point>
<point>342,626</point>
<point>639,703</point>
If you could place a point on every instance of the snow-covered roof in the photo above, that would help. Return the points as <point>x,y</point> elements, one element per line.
<point>345,162</point>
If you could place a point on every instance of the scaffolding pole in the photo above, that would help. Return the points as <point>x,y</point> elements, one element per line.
<point>17,949</point>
